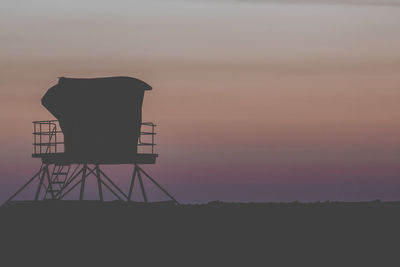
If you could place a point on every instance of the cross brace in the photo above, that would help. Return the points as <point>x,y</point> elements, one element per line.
<point>49,183</point>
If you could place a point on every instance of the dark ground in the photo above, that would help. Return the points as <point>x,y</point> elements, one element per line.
<point>213,234</point>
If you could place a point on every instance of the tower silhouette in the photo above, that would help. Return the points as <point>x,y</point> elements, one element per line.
<point>99,122</point>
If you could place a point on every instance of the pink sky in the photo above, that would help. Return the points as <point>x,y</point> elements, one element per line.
<point>302,100</point>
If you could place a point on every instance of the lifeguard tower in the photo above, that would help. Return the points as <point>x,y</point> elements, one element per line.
<point>99,122</point>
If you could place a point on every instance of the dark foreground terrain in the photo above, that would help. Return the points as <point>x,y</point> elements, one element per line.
<point>214,234</point>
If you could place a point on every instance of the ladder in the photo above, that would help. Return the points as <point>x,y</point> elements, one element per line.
<point>57,181</point>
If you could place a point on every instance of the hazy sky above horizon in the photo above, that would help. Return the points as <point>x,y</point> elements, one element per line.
<point>255,100</point>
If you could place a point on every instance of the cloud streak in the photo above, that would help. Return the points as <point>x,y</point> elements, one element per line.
<point>328,2</point>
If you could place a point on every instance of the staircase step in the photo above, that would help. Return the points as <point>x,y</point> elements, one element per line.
<point>60,173</point>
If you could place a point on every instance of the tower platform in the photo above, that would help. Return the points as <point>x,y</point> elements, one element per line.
<point>66,158</point>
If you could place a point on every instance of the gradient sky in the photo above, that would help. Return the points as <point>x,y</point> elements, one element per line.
<point>255,100</point>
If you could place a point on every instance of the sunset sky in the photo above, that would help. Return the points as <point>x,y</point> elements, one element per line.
<point>255,100</point>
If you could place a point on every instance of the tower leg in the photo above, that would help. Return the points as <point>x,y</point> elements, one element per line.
<point>132,183</point>
<point>142,187</point>
<point>83,182</point>
<point>99,182</point>
<point>50,187</point>
<point>39,188</point>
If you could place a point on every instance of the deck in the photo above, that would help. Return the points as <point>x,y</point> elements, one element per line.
<point>65,158</point>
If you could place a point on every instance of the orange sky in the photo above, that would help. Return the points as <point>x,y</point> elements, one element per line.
<point>244,92</point>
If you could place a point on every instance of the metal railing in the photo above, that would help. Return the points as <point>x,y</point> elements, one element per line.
<point>48,137</point>
<point>146,137</point>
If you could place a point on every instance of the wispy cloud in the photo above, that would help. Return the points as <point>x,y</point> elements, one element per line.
<point>328,2</point>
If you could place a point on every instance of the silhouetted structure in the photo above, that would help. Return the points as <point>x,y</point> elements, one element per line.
<point>99,122</point>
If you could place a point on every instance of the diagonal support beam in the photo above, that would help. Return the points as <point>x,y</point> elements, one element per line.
<point>106,185</point>
<point>24,186</point>
<point>69,190</point>
<point>112,191</point>
<point>111,182</point>
<point>154,182</point>
<point>71,179</point>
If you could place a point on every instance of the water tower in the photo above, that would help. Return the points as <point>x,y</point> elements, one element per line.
<point>99,122</point>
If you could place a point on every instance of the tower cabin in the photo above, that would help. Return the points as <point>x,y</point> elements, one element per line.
<point>99,121</point>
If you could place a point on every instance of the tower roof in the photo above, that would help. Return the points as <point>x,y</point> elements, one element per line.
<point>114,82</point>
